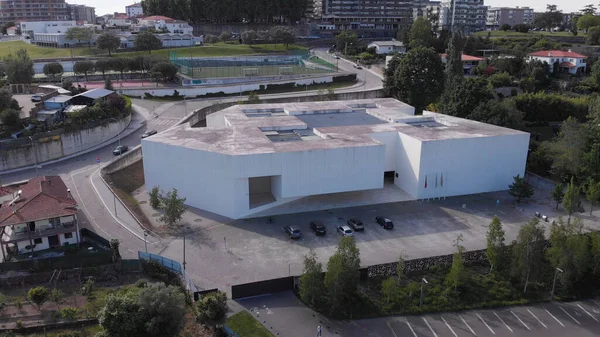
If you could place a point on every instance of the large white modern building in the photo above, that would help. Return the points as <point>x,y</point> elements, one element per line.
<point>252,157</point>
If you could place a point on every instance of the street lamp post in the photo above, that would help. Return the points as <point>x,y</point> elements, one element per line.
<point>423,283</point>
<point>558,270</point>
<point>146,241</point>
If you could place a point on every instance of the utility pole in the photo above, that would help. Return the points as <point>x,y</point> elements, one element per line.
<point>184,253</point>
<point>146,241</point>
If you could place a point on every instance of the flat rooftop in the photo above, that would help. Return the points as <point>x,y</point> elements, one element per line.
<point>288,127</point>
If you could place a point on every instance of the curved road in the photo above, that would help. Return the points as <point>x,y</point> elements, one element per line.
<point>97,214</point>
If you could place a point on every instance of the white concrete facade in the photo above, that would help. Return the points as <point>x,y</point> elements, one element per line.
<point>388,47</point>
<point>51,27</point>
<point>283,152</point>
<point>134,10</point>
<point>568,61</point>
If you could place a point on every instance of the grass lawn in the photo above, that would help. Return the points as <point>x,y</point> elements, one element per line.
<point>501,33</point>
<point>217,49</point>
<point>245,325</point>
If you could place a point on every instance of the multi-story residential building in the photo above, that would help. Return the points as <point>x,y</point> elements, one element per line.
<point>82,13</point>
<point>33,10</point>
<point>134,10</point>
<point>566,61</point>
<point>498,16</point>
<point>467,16</point>
<point>37,215</point>
<point>428,9</point>
<point>366,14</point>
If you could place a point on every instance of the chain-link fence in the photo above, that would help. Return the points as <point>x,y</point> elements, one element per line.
<point>251,66</point>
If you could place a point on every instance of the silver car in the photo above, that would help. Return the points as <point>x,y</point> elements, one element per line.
<point>345,231</point>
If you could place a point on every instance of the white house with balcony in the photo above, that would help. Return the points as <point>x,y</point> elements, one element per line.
<point>38,215</point>
<point>159,22</point>
<point>568,61</point>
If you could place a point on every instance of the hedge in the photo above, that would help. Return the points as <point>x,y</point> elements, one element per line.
<point>543,107</point>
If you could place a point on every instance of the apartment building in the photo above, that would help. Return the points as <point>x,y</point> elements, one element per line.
<point>468,16</point>
<point>134,10</point>
<point>428,9</point>
<point>498,16</point>
<point>33,10</point>
<point>82,13</point>
<point>366,14</point>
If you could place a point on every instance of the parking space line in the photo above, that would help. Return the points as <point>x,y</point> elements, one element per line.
<point>481,318</point>
<point>556,319</point>
<point>468,326</point>
<point>449,327</point>
<point>518,318</point>
<point>389,326</point>
<point>429,326</point>
<point>587,312</point>
<point>573,318</point>
<point>411,329</point>
<point>596,303</point>
<point>534,316</point>
<point>503,322</point>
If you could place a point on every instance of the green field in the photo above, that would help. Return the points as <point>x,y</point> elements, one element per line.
<point>217,49</point>
<point>244,325</point>
<point>501,33</point>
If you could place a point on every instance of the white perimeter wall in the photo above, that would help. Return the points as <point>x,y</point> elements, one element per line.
<point>474,165</point>
<point>219,183</point>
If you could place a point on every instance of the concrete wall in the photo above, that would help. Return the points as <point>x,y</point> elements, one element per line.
<point>407,164</point>
<point>301,173</point>
<point>123,160</point>
<point>471,165</point>
<point>54,147</point>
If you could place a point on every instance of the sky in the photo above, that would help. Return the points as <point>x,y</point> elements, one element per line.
<point>111,6</point>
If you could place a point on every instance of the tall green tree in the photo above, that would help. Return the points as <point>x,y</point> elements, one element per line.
<point>418,78</point>
<point>80,34</point>
<point>84,67</point>
<point>462,97</point>
<point>103,65</point>
<point>147,41</point>
<point>341,279</point>
<point>119,317</point>
<point>19,67</point>
<point>569,251</point>
<point>558,194</point>
<point>592,193</point>
<point>568,149</point>
<point>345,40</point>
<point>588,10</point>
<point>548,20</point>
<point>595,250</point>
<point>458,273</point>
<point>587,21</point>
<point>173,207</point>
<point>311,282</point>
<point>167,70</point>
<point>283,34</point>
<point>162,309</point>
<point>520,189</point>
<point>501,112</point>
<point>571,200</point>
<point>11,118</point>
<point>52,69</point>
<point>108,41</point>
<point>495,243</point>
<point>454,64</point>
<point>528,252</point>
<point>421,34</point>
<point>121,65</point>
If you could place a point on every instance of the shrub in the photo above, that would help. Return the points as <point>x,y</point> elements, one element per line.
<point>20,324</point>
<point>38,295</point>
<point>500,80</point>
<point>551,107</point>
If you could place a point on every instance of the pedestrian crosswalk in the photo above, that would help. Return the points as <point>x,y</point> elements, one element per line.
<point>162,122</point>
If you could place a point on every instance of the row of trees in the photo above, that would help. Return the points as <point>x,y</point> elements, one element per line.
<point>228,11</point>
<point>524,269</point>
<point>156,66</point>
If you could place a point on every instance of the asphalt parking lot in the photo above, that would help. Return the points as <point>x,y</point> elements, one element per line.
<point>547,319</point>
<point>221,252</point>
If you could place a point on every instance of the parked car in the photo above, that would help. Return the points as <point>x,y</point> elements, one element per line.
<point>384,222</point>
<point>293,232</point>
<point>356,225</point>
<point>357,66</point>
<point>37,97</point>
<point>149,133</point>
<point>337,57</point>
<point>318,227</point>
<point>120,150</point>
<point>345,231</point>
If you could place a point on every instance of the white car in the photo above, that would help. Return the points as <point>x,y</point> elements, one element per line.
<point>345,231</point>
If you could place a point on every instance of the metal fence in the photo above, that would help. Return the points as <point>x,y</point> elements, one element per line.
<point>173,266</point>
